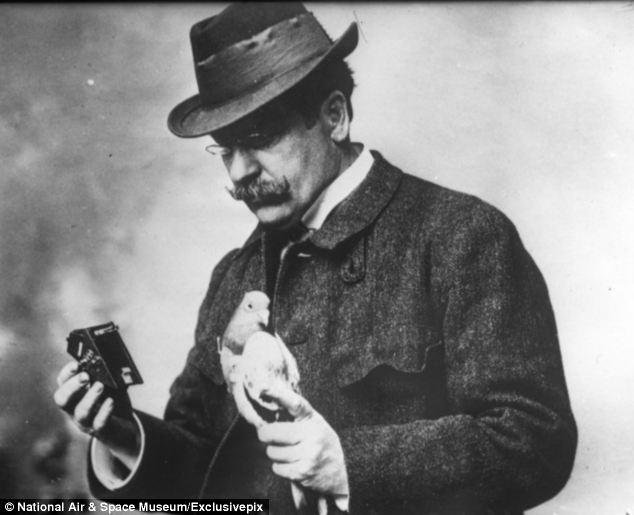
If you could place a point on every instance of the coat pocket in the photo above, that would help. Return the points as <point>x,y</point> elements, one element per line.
<point>393,375</point>
<point>396,393</point>
<point>357,367</point>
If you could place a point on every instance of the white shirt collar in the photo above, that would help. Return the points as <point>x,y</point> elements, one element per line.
<point>338,190</point>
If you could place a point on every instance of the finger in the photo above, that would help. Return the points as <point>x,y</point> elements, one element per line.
<point>292,471</point>
<point>295,404</point>
<point>245,408</point>
<point>322,505</point>
<point>280,433</point>
<point>103,415</point>
<point>87,406</point>
<point>67,371</point>
<point>284,453</point>
<point>69,391</point>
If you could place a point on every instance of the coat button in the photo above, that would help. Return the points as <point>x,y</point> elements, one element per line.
<point>353,267</point>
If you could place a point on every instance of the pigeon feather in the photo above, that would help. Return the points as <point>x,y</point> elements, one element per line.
<point>251,316</point>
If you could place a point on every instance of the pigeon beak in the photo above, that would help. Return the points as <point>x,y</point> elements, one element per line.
<point>264,316</point>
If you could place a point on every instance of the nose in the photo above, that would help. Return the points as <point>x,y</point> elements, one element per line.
<point>241,165</point>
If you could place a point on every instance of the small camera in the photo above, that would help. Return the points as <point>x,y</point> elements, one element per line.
<point>101,353</point>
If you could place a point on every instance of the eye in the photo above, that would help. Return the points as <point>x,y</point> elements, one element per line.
<point>249,306</point>
<point>261,140</point>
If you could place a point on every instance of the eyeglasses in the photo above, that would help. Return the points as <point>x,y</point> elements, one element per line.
<point>257,140</point>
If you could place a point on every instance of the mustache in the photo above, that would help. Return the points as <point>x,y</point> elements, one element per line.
<point>258,190</point>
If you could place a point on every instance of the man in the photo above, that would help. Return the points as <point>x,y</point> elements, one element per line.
<point>430,370</point>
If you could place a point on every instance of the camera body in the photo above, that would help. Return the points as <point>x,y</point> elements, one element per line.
<point>101,353</point>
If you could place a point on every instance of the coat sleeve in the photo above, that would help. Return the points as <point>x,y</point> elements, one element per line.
<point>509,440</point>
<point>179,447</point>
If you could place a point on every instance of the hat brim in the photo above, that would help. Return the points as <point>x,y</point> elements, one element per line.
<point>191,119</point>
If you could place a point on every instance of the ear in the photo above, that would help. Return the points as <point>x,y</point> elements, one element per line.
<point>335,117</point>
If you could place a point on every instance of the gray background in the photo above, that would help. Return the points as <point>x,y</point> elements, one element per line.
<point>104,215</point>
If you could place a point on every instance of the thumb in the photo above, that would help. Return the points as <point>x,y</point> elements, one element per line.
<point>298,407</point>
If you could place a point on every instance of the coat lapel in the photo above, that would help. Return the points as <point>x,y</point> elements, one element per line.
<point>361,208</point>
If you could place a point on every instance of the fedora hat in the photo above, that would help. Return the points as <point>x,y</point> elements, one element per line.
<point>249,54</point>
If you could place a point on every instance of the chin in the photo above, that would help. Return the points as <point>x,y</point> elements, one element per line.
<point>274,217</point>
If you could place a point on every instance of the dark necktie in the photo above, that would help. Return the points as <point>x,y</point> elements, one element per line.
<point>277,244</point>
<point>297,233</point>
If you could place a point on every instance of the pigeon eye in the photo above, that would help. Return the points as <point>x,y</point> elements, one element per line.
<point>249,306</point>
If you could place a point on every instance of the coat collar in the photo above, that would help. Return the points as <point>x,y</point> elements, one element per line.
<point>356,212</point>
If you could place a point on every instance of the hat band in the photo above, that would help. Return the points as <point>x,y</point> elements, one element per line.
<point>249,64</point>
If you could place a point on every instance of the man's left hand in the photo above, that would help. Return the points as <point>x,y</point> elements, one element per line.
<point>307,450</point>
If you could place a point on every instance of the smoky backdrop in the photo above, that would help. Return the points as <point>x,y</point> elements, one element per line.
<point>104,215</point>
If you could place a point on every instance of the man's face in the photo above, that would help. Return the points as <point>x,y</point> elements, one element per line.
<point>278,165</point>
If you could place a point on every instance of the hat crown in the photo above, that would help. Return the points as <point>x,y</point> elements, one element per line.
<point>238,22</point>
<point>248,55</point>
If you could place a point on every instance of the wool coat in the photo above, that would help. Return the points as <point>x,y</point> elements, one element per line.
<point>424,335</point>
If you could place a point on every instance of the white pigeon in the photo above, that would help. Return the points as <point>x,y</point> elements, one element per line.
<point>251,316</point>
<point>254,361</point>
<point>266,364</point>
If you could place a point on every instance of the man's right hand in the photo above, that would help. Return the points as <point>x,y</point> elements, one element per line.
<point>93,415</point>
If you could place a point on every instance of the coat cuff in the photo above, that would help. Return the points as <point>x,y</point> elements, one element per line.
<point>171,466</point>
<point>107,468</point>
